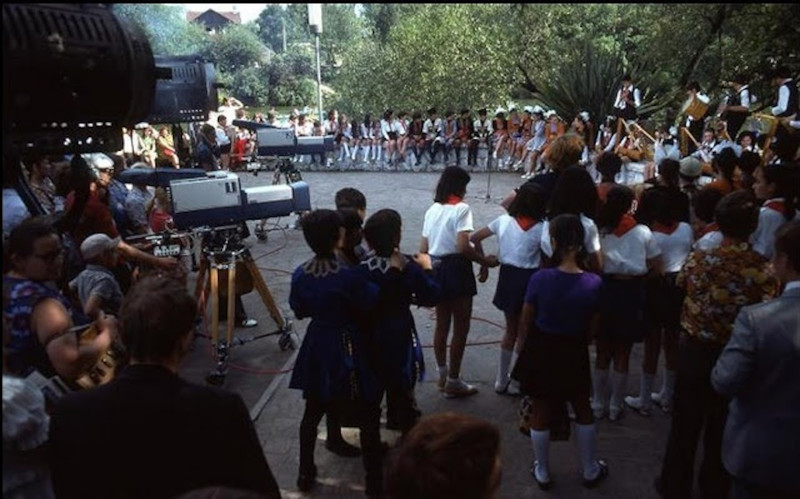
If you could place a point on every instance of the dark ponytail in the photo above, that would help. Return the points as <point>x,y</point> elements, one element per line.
<point>618,202</point>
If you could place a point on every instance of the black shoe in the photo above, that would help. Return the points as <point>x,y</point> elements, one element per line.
<point>594,482</point>
<point>307,480</point>
<point>343,449</point>
<point>542,485</point>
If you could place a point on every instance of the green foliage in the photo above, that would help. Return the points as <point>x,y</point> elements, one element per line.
<point>236,48</point>
<point>165,27</point>
<point>270,26</point>
<point>449,58</point>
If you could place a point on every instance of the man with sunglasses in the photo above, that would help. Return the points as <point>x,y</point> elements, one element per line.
<point>41,318</point>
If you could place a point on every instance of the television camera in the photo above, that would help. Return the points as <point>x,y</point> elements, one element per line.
<point>211,209</point>
<point>282,144</point>
<point>75,75</point>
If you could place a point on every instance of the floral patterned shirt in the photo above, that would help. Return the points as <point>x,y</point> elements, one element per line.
<point>718,284</point>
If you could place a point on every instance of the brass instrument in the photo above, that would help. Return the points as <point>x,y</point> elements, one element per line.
<point>684,134</point>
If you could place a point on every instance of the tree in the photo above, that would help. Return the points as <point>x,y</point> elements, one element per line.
<point>165,26</point>
<point>270,26</point>
<point>452,58</point>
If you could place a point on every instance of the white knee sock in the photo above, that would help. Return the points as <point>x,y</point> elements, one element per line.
<point>346,148</point>
<point>668,386</point>
<point>380,153</point>
<point>600,397</point>
<point>541,452</point>
<point>514,357</point>
<point>502,368</point>
<point>586,435</point>
<point>646,388</point>
<point>619,385</point>
<point>354,152</point>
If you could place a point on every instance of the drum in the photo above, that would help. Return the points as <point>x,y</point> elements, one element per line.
<point>694,107</point>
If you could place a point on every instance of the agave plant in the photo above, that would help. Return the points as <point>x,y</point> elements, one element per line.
<point>589,82</point>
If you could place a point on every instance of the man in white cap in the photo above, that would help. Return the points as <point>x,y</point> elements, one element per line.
<point>97,288</point>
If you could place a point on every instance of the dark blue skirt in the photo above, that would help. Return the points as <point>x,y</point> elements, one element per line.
<point>332,364</point>
<point>623,308</point>
<point>665,302</point>
<point>512,283</point>
<point>454,275</point>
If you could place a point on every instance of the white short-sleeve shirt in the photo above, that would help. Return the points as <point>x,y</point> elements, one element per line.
<point>769,220</point>
<point>675,247</point>
<point>709,241</point>
<point>517,247</point>
<point>442,224</point>
<point>591,237</point>
<point>628,255</point>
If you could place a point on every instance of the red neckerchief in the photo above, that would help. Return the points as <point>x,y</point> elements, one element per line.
<point>625,224</point>
<point>452,199</point>
<point>777,205</point>
<point>665,229</point>
<point>709,228</point>
<point>524,222</point>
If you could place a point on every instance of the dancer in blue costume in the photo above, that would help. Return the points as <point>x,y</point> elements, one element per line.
<point>330,367</point>
<point>394,345</point>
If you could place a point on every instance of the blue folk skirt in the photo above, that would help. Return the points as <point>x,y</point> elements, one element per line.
<point>512,283</point>
<point>454,275</point>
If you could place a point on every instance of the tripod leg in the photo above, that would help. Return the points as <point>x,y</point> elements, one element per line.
<point>214,280</point>
<point>231,297</point>
<point>266,296</point>
<point>201,283</point>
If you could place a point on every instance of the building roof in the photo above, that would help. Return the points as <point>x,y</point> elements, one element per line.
<point>233,17</point>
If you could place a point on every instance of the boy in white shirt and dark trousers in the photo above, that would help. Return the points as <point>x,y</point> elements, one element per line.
<point>445,237</point>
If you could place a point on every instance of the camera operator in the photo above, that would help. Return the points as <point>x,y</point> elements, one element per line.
<point>205,154</point>
<point>170,436</point>
<point>97,219</point>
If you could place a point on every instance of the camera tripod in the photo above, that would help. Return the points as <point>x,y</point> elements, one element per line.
<point>214,259</point>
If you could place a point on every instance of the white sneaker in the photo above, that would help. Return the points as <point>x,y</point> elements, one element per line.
<point>665,404</point>
<point>614,413</point>
<point>638,405</point>
<point>514,389</point>
<point>598,409</point>
<point>501,386</point>
<point>456,388</point>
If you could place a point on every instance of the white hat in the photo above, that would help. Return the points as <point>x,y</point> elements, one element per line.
<point>537,109</point>
<point>673,130</point>
<point>96,244</point>
<point>528,109</point>
<point>98,161</point>
<point>549,113</point>
<point>499,110</point>
<point>584,115</point>
<point>690,167</point>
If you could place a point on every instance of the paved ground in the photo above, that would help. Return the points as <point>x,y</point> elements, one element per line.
<point>633,446</point>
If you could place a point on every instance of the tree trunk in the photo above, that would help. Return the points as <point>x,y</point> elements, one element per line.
<point>717,21</point>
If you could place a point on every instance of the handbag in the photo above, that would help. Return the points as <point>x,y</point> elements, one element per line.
<point>560,427</point>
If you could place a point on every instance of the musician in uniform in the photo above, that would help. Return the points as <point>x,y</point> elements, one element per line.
<point>628,99</point>
<point>696,123</point>
<point>786,108</point>
<point>736,108</point>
